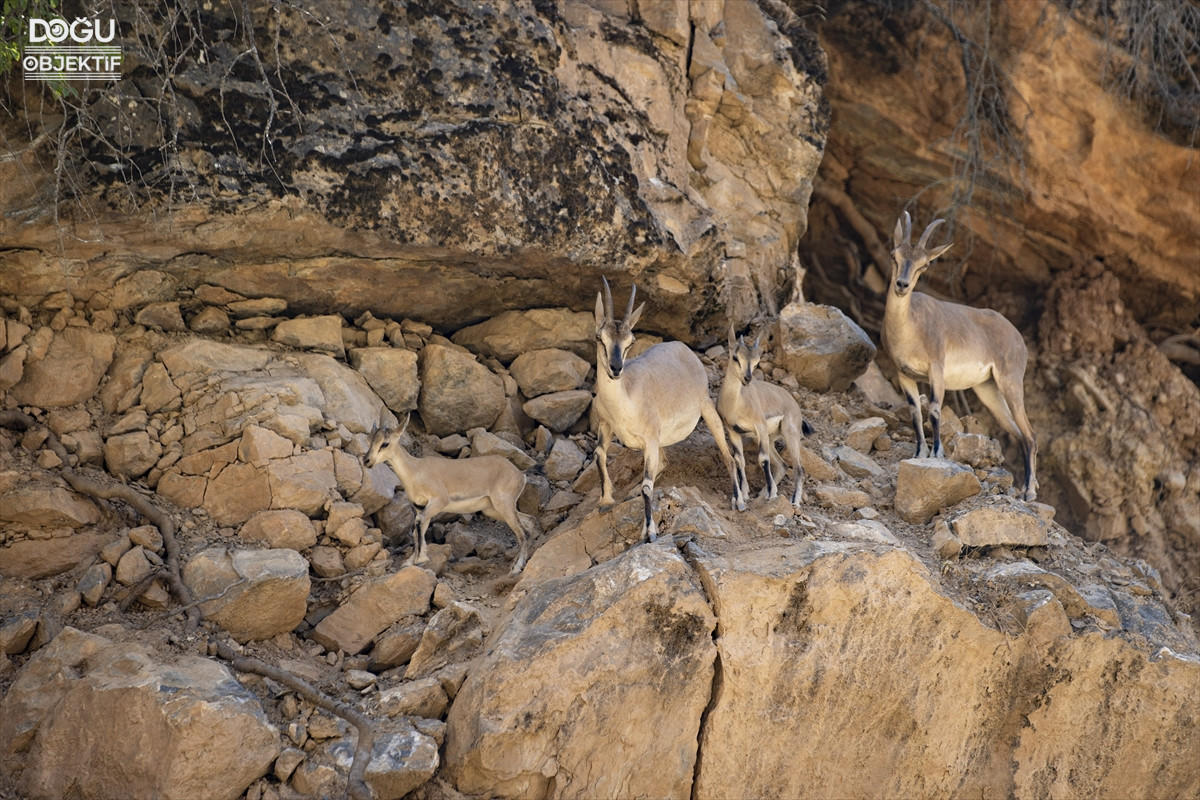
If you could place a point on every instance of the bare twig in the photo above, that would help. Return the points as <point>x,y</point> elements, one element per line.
<point>356,786</point>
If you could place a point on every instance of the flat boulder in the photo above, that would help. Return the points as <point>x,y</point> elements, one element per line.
<point>91,718</point>
<point>1005,521</point>
<point>262,592</point>
<point>594,687</point>
<point>69,372</point>
<point>508,335</point>
<point>925,486</point>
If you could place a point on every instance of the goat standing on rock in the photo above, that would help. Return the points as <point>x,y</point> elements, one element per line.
<point>487,484</point>
<point>648,402</point>
<point>767,412</point>
<point>953,346</point>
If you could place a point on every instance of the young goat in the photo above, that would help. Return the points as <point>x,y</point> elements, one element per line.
<point>648,402</point>
<point>765,411</point>
<point>487,484</point>
<point>952,346</point>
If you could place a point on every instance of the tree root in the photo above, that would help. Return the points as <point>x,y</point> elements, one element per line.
<point>356,786</point>
<point>119,491</point>
<point>93,487</point>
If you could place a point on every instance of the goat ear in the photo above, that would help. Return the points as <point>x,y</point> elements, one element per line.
<point>599,312</point>
<point>404,427</point>
<point>732,336</point>
<point>937,251</point>
<point>899,232</point>
<point>635,316</point>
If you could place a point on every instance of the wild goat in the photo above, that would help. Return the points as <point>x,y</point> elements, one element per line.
<point>953,346</point>
<point>767,412</point>
<point>487,484</point>
<point>648,402</point>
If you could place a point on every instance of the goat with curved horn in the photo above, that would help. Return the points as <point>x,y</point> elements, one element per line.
<point>951,347</point>
<point>649,402</point>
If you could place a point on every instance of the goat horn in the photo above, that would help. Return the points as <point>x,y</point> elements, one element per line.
<point>925,236</point>
<point>629,308</point>
<point>608,309</point>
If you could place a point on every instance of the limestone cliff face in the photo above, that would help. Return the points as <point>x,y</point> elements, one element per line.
<point>1079,221</point>
<point>441,161</point>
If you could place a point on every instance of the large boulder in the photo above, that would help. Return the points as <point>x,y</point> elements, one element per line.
<point>457,392</point>
<point>595,687</point>
<point>70,370</point>
<point>854,645</point>
<point>823,348</point>
<point>256,593</point>
<point>92,719</point>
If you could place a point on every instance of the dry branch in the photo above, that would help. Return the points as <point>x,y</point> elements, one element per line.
<point>119,491</point>
<point>356,786</point>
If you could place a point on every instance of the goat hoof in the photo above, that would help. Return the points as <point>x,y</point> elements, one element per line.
<point>740,506</point>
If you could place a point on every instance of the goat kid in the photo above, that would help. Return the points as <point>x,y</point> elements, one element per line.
<point>486,484</point>
<point>766,412</point>
<point>649,402</point>
<point>951,347</point>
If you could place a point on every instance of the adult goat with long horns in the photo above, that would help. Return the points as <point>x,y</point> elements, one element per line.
<point>648,402</point>
<point>953,346</point>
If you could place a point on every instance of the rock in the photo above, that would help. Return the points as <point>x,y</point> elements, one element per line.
<point>262,592</point>
<point>133,566</point>
<point>588,657</point>
<point>508,335</point>
<point>164,316</point>
<point>396,645</point>
<point>375,606</point>
<point>392,373</point>
<point>980,451</point>
<point>832,612</point>
<point>141,287</point>
<point>1003,522</point>
<point>322,333</point>
<point>206,356</point>
<point>257,307</point>
<point>340,512</point>
<point>925,486</point>
<point>12,367</point>
<point>284,528</point>
<point>540,372</point>
<point>286,763</point>
<point>348,398</point>
<point>402,759</point>
<point>305,482</point>
<point>861,434</point>
<point>878,389</point>
<point>598,537</point>
<point>840,497</point>
<point>455,633</point>
<point>259,445</point>
<point>70,371</point>
<point>822,347</point>
<point>93,583</point>
<point>33,559</point>
<point>947,545</point>
<point>558,411</point>
<point>457,392</point>
<point>16,630</point>
<point>130,455</point>
<point>817,468</point>
<point>158,390</point>
<point>65,725</point>
<point>327,561</point>
<point>38,505</point>
<point>378,489</point>
<point>855,464</point>
<point>418,698</point>
<point>239,491</point>
<point>565,460</point>
<point>867,531</point>
<point>489,444</point>
<point>209,321</point>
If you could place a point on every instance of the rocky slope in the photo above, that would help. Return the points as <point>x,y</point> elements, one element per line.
<point>911,613</point>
